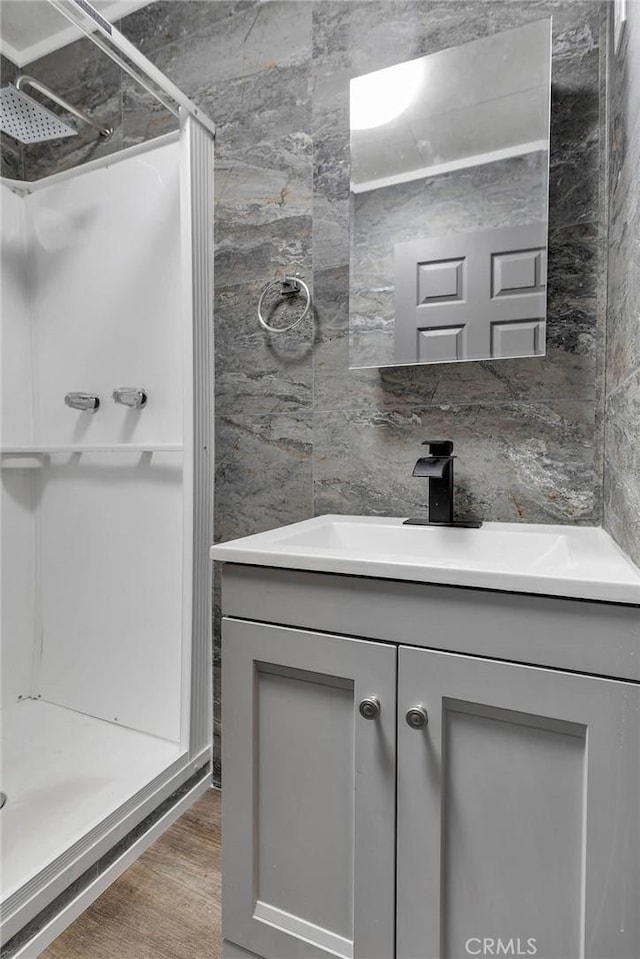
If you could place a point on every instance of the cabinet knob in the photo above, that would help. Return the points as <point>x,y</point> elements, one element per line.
<point>417,717</point>
<point>369,708</point>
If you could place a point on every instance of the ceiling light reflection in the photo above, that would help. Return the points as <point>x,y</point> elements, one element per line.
<point>377,98</point>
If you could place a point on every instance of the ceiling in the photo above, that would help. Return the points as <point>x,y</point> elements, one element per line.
<point>29,29</point>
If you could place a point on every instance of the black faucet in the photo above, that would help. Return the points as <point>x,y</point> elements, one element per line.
<point>438,470</point>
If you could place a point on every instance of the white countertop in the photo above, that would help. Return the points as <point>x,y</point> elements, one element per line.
<point>579,562</point>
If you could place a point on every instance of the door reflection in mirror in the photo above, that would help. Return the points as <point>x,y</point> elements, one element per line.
<point>449,203</point>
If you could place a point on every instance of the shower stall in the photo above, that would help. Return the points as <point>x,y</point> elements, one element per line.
<point>106,510</point>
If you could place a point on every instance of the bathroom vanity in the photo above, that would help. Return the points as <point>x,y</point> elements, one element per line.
<point>431,742</point>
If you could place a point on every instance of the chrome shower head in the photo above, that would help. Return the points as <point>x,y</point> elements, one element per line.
<point>30,122</point>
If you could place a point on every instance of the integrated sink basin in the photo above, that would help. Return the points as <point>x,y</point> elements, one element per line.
<point>573,561</point>
<point>497,549</point>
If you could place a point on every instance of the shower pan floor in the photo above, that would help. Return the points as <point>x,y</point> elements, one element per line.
<point>64,772</point>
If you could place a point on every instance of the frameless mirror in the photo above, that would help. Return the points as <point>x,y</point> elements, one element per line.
<point>448,205</point>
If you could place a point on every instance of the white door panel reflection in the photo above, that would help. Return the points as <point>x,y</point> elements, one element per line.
<point>473,296</point>
<point>449,203</point>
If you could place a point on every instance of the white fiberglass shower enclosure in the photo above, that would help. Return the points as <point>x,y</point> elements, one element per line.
<point>106,517</point>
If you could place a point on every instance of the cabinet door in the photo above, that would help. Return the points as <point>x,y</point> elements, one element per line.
<point>308,794</point>
<point>518,814</point>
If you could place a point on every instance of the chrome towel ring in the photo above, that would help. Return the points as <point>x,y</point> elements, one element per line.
<point>289,286</point>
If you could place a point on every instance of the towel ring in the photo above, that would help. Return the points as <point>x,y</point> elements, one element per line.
<point>289,286</point>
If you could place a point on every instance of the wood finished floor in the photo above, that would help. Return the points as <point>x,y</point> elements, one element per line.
<point>165,906</point>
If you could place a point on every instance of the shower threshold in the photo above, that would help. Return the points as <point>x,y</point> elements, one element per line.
<point>66,774</point>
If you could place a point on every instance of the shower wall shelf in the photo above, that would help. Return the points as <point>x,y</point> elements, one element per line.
<point>32,457</point>
<point>98,448</point>
<point>22,461</point>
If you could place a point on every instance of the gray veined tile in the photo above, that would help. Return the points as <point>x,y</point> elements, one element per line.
<point>579,72</point>
<point>366,36</point>
<point>575,105</point>
<point>166,22</point>
<point>258,252</point>
<point>331,164</point>
<point>574,182</point>
<point>622,412</point>
<point>622,465</point>
<point>576,23</point>
<point>622,511</point>
<point>623,303</point>
<point>263,472</point>
<point>575,157</point>
<point>259,109</point>
<point>576,249</point>
<point>143,117</point>
<point>622,401</point>
<point>623,331</point>
<point>8,70</point>
<point>330,233</point>
<point>11,157</point>
<point>289,154</point>
<point>79,66</point>
<point>252,38</point>
<point>516,462</point>
<point>571,315</point>
<point>257,371</point>
<point>217,672</point>
<point>557,375</point>
<point>248,195</point>
<point>624,167</point>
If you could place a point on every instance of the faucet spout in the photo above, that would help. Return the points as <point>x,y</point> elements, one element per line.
<point>437,469</point>
<point>433,467</point>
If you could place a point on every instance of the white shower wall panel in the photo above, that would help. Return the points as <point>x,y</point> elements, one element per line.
<point>105,261</point>
<point>112,588</point>
<point>18,575</point>
<point>18,496</point>
<point>15,325</point>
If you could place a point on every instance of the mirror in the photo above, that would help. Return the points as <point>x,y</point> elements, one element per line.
<point>448,203</point>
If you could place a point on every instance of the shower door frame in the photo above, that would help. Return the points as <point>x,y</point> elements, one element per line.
<point>196,242</point>
<point>112,42</point>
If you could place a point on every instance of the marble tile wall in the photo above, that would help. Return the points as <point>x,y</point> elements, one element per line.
<point>526,431</point>
<point>89,80</point>
<point>622,403</point>
<point>297,433</point>
<point>11,152</point>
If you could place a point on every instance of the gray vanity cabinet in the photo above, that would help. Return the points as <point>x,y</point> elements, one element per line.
<point>509,822</point>
<point>517,811</point>
<point>309,794</point>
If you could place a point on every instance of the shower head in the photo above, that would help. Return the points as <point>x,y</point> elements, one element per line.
<point>30,122</point>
